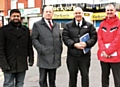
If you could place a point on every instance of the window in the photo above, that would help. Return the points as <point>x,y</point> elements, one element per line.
<point>13,4</point>
<point>62,25</point>
<point>31,3</point>
<point>62,22</point>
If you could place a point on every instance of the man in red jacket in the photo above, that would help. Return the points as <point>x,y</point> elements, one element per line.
<point>109,48</point>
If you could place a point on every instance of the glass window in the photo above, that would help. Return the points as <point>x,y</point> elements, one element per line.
<point>13,4</point>
<point>62,22</point>
<point>31,3</point>
<point>62,25</point>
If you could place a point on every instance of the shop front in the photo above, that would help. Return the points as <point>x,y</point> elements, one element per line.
<point>97,18</point>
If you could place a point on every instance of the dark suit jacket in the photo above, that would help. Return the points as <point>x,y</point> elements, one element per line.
<point>48,44</point>
<point>15,47</point>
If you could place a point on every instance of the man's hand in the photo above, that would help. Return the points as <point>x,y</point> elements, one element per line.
<point>4,68</point>
<point>83,44</point>
<point>105,55</point>
<point>80,45</point>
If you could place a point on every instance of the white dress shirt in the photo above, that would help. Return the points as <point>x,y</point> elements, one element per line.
<point>48,22</point>
<point>78,22</point>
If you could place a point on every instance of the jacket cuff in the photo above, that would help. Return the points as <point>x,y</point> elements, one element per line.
<point>86,44</point>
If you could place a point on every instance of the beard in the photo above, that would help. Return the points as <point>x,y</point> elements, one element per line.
<point>16,23</point>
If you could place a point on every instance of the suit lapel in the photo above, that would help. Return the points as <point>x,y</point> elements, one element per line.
<point>44,23</point>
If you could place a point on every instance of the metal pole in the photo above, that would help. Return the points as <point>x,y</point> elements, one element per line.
<point>93,1</point>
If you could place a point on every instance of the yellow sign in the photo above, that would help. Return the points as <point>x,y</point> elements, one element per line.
<point>66,15</point>
<point>118,14</point>
<point>63,15</point>
<point>98,16</point>
<point>86,14</point>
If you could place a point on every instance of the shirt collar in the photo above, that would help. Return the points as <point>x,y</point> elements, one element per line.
<point>47,21</point>
<point>79,22</point>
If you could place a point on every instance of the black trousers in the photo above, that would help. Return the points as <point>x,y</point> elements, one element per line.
<point>115,67</point>
<point>51,73</point>
<point>78,63</point>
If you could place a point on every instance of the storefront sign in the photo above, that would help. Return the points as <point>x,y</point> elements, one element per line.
<point>63,7</point>
<point>32,11</point>
<point>28,11</point>
<point>119,15</point>
<point>63,15</point>
<point>86,14</point>
<point>67,7</point>
<point>98,16</point>
<point>85,6</point>
<point>66,15</point>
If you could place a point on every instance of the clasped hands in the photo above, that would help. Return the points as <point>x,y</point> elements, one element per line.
<point>105,55</point>
<point>80,45</point>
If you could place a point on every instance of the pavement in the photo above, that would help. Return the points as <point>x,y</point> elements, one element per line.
<point>62,78</point>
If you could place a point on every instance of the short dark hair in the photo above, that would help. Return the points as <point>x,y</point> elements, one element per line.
<point>14,11</point>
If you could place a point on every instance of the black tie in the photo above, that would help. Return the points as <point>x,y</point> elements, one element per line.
<point>50,24</point>
<point>78,25</point>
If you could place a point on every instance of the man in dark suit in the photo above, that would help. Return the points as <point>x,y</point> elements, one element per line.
<point>77,58</point>
<point>15,50</point>
<point>46,39</point>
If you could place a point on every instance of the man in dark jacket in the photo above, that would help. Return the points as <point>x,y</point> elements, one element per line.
<point>79,36</point>
<point>15,49</point>
<point>46,39</point>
